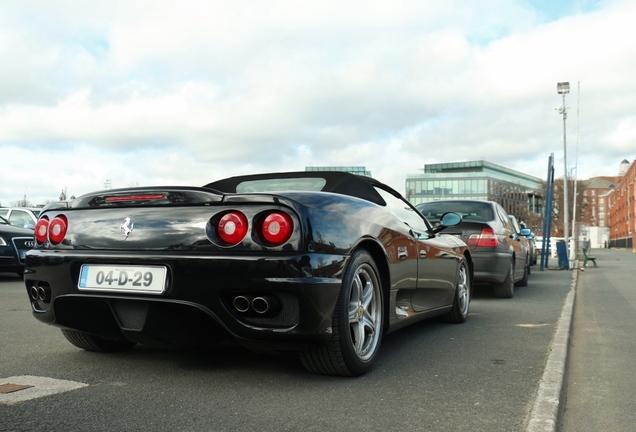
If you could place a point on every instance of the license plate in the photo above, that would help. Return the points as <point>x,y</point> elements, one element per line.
<point>132,279</point>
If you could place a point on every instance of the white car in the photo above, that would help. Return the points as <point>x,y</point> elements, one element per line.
<point>24,217</point>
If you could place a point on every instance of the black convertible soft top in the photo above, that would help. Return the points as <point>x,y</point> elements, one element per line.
<point>333,181</point>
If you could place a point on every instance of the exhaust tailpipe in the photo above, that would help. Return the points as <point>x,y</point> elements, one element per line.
<point>242,303</point>
<point>264,304</point>
<point>39,293</point>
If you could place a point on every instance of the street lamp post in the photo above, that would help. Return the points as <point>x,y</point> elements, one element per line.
<point>563,88</point>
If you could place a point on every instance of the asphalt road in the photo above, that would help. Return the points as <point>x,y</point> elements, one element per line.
<point>478,376</point>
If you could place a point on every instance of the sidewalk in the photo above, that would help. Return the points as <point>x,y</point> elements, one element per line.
<point>589,377</point>
<point>600,376</point>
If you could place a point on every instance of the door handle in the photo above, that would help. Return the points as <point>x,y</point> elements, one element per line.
<point>402,254</point>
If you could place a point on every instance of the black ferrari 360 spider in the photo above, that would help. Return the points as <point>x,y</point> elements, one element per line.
<point>324,263</point>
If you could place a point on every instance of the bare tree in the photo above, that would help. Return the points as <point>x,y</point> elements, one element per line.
<point>557,213</point>
<point>22,203</point>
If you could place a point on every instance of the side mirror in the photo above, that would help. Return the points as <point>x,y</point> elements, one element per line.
<point>450,219</point>
<point>526,232</point>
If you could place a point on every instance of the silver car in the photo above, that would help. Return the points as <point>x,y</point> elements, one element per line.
<point>499,249</point>
<point>23,217</point>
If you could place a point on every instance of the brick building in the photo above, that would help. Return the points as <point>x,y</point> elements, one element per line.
<point>621,203</point>
<point>595,193</point>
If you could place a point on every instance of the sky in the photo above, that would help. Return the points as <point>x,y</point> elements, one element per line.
<point>121,93</point>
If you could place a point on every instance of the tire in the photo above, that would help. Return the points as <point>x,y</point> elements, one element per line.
<point>523,282</point>
<point>461,301</point>
<point>506,289</point>
<point>357,323</point>
<point>90,342</point>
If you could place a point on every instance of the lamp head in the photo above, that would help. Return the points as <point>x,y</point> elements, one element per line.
<point>563,87</point>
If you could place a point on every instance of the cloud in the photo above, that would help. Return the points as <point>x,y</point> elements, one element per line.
<point>186,93</point>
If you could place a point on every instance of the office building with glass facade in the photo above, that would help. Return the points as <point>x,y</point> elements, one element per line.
<point>519,194</point>
<point>360,170</point>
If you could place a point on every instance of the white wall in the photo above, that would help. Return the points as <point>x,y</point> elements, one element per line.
<point>598,236</point>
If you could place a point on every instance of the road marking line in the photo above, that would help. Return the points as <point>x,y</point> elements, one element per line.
<point>27,387</point>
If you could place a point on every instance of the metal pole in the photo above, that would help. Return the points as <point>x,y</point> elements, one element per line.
<point>576,234</point>
<point>566,225</point>
<point>547,213</point>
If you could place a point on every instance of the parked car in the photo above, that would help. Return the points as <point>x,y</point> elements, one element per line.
<point>533,248</point>
<point>14,242</point>
<point>522,233</point>
<point>324,263</point>
<point>24,217</point>
<point>551,248</point>
<point>497,248</point>
<point>532,243</point>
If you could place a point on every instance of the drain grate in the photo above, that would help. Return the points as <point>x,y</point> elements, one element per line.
<point>10,388</point>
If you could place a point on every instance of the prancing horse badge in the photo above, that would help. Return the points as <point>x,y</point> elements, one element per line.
<point>126,228</point>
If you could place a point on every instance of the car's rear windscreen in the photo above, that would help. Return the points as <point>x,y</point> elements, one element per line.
<point>475,210</point>
<point>281,184</point>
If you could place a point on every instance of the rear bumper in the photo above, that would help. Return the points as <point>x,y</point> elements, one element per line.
<point>197,307</point>
<point>491,267</point>
<point>9,262</point>
<point>10,268</point>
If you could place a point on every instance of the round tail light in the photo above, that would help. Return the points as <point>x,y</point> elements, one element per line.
<point>42,230</point>
<point>277,228</point>
<point>57,229</point>
<point>232,228</point>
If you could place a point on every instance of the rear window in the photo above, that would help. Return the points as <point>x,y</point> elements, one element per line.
<point>282,184</point>
<point>476,211</point>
